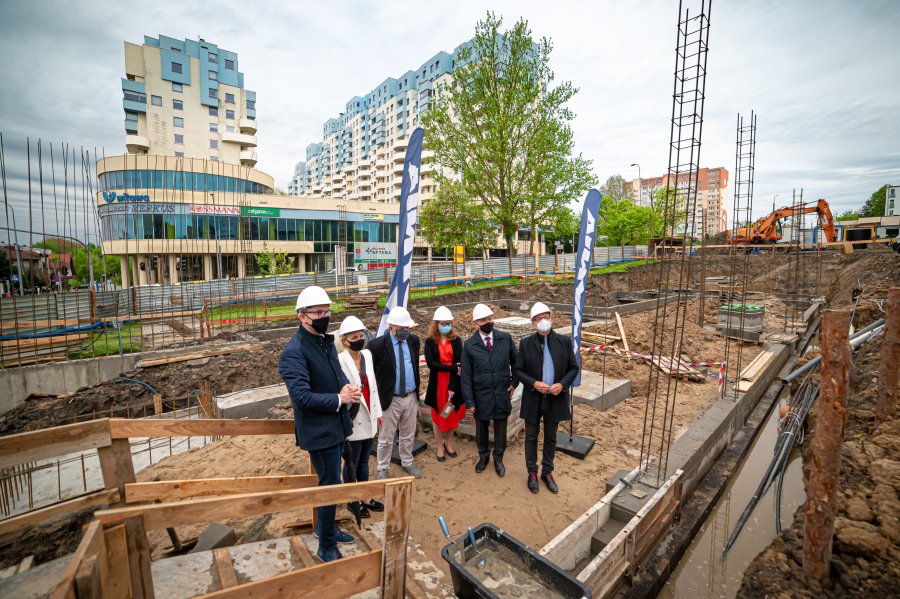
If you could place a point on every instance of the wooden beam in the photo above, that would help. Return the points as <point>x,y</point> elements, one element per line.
<point>302,551</point>
<point>413,590</point>
<point>65,339</point>
<point>88,583</point>
<point>622,332</point>
<point>397,512</point>
<point>51,512</point>
<point>206,353</point>
<point>124,428</point>
<point>192,511</point>
<point>91,544</point>
<point>180,489</point>
<point>225,567</point>
<point>51,442</point>
<point>118,584</point>
<point>334,580</point>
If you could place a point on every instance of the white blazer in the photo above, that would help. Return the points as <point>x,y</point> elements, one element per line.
<point>365,425</point>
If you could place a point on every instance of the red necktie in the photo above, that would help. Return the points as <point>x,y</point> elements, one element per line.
<point>488,344</point>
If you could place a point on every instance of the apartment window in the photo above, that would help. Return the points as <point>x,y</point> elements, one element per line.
<point>229,114</point>
<point>229,128</point>
<point>178,122</point>
<point>213,127</point>
<point>229,98</point>
<point>214,143</point>
<point>213,57</point>
<point>176,67</point>
<point>179,154</point>
<point>179,139</point>
<point>213,92</point>
<point>229,64</point>
<point>213,111</point>
<point>135,96</point>
<point>156,100</point>
<point>891,192</point>
<point>131,117</point>
<point>214,158</point>
<point>176,87</point>
<point>213,76</point>
<point>177,104</point>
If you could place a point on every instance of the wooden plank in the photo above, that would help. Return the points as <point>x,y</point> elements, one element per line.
<point>87,579</point>
<point>118,584</point>
<point>180,489</point>
<point>207,353</point>
<point>225,567</point>
<point>51,442</point>
<point>25,564</point>
<point>67,339</point>
<point>91,544</point>
<point>193,511</point>
<point>51,512</point>
<point>124,428</point>
<point>302,551</point>
<point>157,404</point>
<point>757,365</point>
<point>334,580</point>
<point>397,511</point>
<point>622,332</point>
<point>413,590</point>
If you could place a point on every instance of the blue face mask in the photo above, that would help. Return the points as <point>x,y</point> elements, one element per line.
<point>445,329</point>
<point>401,334</point>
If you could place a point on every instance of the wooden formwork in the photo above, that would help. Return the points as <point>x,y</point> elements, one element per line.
<point>113,558</point>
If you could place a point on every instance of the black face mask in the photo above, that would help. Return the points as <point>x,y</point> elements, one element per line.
<point>356,345</point>
<point>320,325</point>
<point>487,327</point>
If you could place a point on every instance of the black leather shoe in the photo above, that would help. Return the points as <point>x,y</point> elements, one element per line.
<point>551,484</point>
<point>499,467</point>
<point>481,465</point>
<point>533,483</point>
<point>375,506</point>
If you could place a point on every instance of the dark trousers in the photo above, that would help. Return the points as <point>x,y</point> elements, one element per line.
<point>532,428</point>
<point>327,463</point>
<point>359,460</point>
<point>482,436</point>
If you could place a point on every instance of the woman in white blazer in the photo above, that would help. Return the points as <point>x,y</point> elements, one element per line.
<point>357,365</point>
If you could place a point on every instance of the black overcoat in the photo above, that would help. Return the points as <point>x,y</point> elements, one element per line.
<point>385,361</point>
<point>529,369</point>
<point>487,375</point>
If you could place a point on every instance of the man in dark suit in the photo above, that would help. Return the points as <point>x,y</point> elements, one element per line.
<point>487,384</point>
<point>546,367</point>
<point>320,394</point>
<point>396,359</point>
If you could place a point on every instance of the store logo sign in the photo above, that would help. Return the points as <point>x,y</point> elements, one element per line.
<point>110,196</point>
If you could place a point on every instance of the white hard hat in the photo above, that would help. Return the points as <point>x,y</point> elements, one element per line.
<point>312,296</point>
<point>351,324</point>
<point>539,308</point>
<point>481,311</point>
<point>399,317</point>
<point>443,314</point>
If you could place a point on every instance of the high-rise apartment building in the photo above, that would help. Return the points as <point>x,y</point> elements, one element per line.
<point>712,197</point>
<point>186,98</point>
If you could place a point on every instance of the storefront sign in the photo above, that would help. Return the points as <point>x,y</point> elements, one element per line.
<point>110,196</point>
<point>366,216</point>
<point>138,209</point>
<point>268,212</point>
<point>375,255</point>
<point>215,210</point>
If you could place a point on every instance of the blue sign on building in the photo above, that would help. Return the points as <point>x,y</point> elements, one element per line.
<point>110,196</point>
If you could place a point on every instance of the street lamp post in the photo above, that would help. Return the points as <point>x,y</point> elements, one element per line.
<point>640,184</point>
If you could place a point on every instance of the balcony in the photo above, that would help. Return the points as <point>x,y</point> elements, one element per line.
<point>400,145</point>
<point>239,138</point>
<point>399,157</point>
<point>381,164</point>
<point>247,126</point>
<point>398,168</point>
<point>248,158</point>
<point>137,144</point>
<point>364,167</point>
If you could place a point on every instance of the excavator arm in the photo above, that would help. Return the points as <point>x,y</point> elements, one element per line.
<point>764,229</point>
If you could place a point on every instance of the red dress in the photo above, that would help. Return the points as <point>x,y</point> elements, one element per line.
<point>451,422</point>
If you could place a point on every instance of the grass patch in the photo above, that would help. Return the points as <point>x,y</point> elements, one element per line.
<point>621,267</point>
<point>105,342</point>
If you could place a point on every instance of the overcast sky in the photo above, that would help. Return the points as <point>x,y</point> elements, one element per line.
<point>821,75</point>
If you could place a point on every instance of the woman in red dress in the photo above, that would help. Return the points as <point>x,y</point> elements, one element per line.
<point>443,351</point>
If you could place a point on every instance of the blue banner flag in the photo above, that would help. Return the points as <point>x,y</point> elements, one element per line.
<point>406,232</point>
<point>584,254</point>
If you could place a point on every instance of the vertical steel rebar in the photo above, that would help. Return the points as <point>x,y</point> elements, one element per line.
<point>821,502</point>
<point>888,371</point>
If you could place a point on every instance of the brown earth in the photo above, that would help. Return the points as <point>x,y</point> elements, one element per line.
<point>866,554</point>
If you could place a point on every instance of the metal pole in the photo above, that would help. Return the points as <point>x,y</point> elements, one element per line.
<point>886,404</point>
<point>821,503</point>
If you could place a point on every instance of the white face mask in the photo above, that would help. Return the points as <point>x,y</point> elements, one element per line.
<point>544,326</point>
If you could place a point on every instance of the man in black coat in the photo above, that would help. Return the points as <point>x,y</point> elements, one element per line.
<point>487,384</point>
<point>546,367</point>
<point>320,394</point>
<point>396,358</point>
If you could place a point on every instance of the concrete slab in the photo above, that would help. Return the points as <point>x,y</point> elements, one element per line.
<point>214,536</point>
<point>35,582</point>
<point>256,561</point>
<point>185,576</point>
<point>250,403</point>
<point>599,392</point>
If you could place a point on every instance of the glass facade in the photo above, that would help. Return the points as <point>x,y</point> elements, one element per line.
<point>163,179</point>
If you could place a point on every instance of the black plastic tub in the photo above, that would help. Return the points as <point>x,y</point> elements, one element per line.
<point>467,586</point>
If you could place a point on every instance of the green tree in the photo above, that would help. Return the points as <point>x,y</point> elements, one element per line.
<point>874,206</point>
<point>456,220</point>
<point>6,268</point>
<point>623,223</point>
<point>505,130</point>
<point>671,208</point>
<point>847,215</point>
<point>562,225</point>
<point>616,188</point>
<point>273,263</point>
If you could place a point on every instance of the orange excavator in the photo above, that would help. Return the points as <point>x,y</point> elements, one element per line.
<point>766,229</point>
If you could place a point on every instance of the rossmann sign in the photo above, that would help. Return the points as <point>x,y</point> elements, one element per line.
<point>110,197</point>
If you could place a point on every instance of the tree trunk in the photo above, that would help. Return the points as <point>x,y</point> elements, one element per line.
<point>510,249</point>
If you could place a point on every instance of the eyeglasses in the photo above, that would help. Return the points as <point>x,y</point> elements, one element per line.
<point>317,313</point>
